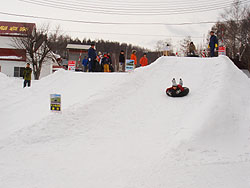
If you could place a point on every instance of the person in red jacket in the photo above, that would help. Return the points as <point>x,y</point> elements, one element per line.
<point>177,90</point>
<point>133,57</point>
<point>144,60</point>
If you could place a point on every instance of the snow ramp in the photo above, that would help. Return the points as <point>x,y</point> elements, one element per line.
<point>120,130</point>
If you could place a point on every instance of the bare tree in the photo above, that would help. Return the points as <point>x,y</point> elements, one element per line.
<point>37,46</point>
<point>164,45</point>
<point>234,31</point>
<point>185,45</point>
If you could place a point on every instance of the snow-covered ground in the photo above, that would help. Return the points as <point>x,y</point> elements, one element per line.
<point>120,130</point>
<point>246,72</point>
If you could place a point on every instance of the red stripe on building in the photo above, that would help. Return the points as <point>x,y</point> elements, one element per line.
<point>12,54</point>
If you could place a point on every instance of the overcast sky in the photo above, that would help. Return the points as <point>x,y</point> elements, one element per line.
<point>122,11</point>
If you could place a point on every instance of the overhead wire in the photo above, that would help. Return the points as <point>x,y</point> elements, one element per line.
<point>150,3</point>
<point>117,23</point>
<point>129,7</point>
<point>131,34</point>
<point>119,12</point>
<point>107,23</point>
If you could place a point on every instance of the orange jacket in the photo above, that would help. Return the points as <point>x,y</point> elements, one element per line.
<point>133,57</point>
<point>144,61</point>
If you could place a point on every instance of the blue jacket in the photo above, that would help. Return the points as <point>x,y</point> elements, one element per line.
<point>213,41</point>
<point>85,62</point>
<point>92,54</point>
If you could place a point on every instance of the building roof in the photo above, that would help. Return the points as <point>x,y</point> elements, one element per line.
<point>16,28</point>
<point>78,46</point>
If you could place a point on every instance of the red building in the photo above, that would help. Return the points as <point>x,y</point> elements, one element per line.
<point>12,58</point>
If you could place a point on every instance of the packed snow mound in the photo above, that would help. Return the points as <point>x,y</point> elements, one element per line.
<point>122,130</point>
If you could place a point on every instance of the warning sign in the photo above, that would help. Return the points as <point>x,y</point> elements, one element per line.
<point>71,65</point>
<point>222,50</point>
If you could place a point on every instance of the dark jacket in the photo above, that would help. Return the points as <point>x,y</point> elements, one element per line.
<point>106,60</point>
<point>192,48</point>
<point>122,58</point>
<point>213,41</point>
<point>27,73</point>
<point>110,59</point>
<point>91,54</point>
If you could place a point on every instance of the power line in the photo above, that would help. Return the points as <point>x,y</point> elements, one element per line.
<point>107,23</point>
<point>120,7</point>
<point>141,3</point>
<point>119,12</point>
<point>131,34</point>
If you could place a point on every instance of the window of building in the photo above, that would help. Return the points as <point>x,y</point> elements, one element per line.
<point>18,71</point>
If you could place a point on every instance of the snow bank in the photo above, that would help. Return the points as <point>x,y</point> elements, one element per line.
<point>121,130</point>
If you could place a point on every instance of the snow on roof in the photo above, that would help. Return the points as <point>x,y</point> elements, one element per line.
<point>57,56</point>
<point>78,46</point>
<point>10,57</point>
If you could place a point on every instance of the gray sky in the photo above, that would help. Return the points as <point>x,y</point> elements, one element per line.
<point>111,10</point>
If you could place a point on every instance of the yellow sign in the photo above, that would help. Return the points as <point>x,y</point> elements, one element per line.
<point>23,29</point>
<point>55,102</point>
<point>3,28</point>
<point>13,28</point>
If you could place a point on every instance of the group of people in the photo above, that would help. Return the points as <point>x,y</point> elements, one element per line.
<point>213,44</point>
<point>143,60</point>
<point>103,62</point>
<point>97,62</point>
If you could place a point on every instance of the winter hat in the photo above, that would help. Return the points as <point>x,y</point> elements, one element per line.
<point>174,84</point>
<point>181,82</point>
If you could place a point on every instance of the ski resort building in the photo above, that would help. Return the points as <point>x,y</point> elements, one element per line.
<point>13,59</point>
<point>76,52</point>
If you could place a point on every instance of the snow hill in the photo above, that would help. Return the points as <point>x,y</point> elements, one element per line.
<point>120,130</point>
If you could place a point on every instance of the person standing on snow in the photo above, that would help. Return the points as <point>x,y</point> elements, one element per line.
<point>91,57</point>
<point>85,64</point>
<point>111,69</point>
<point>144,60</point>
<point>192,48</point>
<point>98,63</point>
<point>106,62</point>
<point>27,75</point>
<point>133,57</point>
<point>122,61</point>
<point>213,43</point>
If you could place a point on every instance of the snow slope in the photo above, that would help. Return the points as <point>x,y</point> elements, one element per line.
<point>120,130</point>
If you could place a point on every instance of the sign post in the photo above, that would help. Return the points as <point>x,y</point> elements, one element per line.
<point>55,102</point>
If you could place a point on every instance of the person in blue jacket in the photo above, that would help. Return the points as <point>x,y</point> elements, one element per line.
<point>85,64</point>
<point>91,56</point>
<point>213,43</point>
